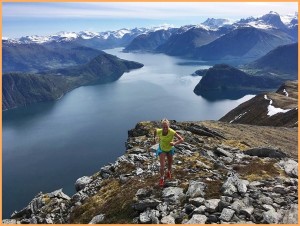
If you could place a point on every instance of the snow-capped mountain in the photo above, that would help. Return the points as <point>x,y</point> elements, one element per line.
<point>213,23</point>
<point>65,36</point>
<point>268,21</point>
<point>271,20</point>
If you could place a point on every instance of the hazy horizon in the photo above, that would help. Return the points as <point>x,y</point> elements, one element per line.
<point>25,19</point>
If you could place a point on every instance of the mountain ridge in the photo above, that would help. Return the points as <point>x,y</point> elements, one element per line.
<point>21,89</point>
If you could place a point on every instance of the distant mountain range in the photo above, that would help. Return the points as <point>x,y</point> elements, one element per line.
<point>37,57</point>
<point>266,73</point>
<point>221,39</point>
<point>214,39</point>
<point>77,57</point>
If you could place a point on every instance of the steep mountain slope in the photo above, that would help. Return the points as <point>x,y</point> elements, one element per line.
<point>36,57</point>
<point>24,89</point>
<point>247,42</point>
<point>20,89</point>
<point>269,109</point>
<point>103,68</point>
<point>149,41</point>
<point>184,43</point>
<point>282,61</point>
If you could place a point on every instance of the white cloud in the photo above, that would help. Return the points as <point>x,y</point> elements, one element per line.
<point>145,10</point>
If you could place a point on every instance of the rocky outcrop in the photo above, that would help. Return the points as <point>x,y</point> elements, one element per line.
<point>278,108</point>
<point>215,180</point>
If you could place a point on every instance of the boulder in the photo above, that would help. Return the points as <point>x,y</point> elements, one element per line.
<point>97,219</point>
<point>227,214</point>
<point>196,189</point>
<point>197,219</point>
<point>173,194</point>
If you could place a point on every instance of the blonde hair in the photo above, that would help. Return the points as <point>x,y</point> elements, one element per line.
<point>164,120</point>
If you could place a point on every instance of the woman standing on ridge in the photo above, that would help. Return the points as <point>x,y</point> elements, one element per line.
<point>166,148</point>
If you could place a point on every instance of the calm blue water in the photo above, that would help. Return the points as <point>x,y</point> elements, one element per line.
<point>48,146</point>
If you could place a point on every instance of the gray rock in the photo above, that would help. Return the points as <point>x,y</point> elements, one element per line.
<point>279,189</point>
<point>197,219</point>
<point>106,171</point>
<point>189,208</point>
<point>247,211</point>
<point>79,197</point>
<point>197,201</point>
<point>97,219</point>
<point>242,185</point>
<point>173,194</point>
<point>271,217</point>
<point>36,204</point>
<point>266,200</point>
<point>220,151</point>
<point>143,193</point>
<point>268,207</point>
<point>227,214</point>
<point>265,152</point>
<point>211,205</point>
<point>27,221</point>
<point>171,183</point>
<point>228,188</point>
<point>10,221</point>
<point>163,208</point>
<point>58,194</point>
<point>168,220</point>
<point>202,165</point>
<point>238,205</point>
<point>200,210</point>
<point>145,218</point>
<point>290,167</point>
<point>196,189</point>
<point>82,182</point>
<point>144,204</point>
<point>149,216</point>
<point>139,171</point>
<point>291,215</point>
<point>125,177</point>
<point>48,220</point>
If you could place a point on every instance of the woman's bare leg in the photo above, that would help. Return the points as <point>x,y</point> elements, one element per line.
<point>162,157</point>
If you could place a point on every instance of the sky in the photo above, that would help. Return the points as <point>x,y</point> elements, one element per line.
<point>44,18</point>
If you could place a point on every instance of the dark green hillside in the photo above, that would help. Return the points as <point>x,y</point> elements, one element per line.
<point>37,57</point>
<point>183,44</point>
<point>148,42</point>
<point>282,60</point>
<point>21,89</point>
<point>103,68</point>
<point>224,78</point>
<point>247,42</point>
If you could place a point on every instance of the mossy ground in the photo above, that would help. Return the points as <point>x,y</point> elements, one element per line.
<point>258,169</point>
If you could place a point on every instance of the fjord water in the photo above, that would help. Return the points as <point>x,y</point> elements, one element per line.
<point>47,146</point>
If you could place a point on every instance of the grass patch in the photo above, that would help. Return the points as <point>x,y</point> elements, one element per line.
<point>236,144</point>
<point>115,200</point>
<point>213,189</point>
<point>257,169</point>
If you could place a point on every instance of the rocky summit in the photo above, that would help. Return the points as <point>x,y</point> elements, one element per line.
<point>222,173</point>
